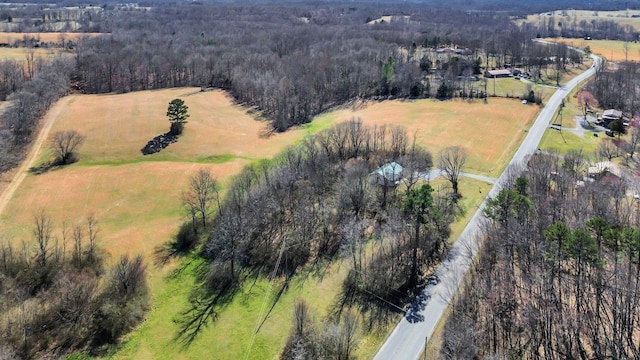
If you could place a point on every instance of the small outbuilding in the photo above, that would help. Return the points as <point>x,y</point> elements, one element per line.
<point>388,174</point>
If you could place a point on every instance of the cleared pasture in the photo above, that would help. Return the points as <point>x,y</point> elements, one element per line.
<point>612,50</point>
<point>118,126</point>
<point>45,37</point>
<point>489,132</point>
<point>136,198</point>
<point>567,17</point>
<point>21,54</point>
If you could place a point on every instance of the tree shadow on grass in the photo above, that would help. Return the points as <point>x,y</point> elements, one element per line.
<point>41,169</point>
<point>377,311</point>
<point>47,166</point>
<point>183,243</point>
<point>211,294</point>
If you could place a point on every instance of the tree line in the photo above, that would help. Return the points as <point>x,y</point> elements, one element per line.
<point>291,62</point>
<point>558,274</point>
<point>57,297</point>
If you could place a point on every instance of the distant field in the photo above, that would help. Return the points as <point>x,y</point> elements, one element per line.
<point>20,54</point>
<point>489,132</point>
<point>47,37</point>
<point>566,17</point>
<point>612,50</point>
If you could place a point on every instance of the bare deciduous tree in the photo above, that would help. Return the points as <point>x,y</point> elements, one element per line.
<point>451,161</point>
<point>63,144</point>
<point>203,189</point>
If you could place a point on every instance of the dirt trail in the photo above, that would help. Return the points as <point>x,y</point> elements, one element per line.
<point>46,124</point>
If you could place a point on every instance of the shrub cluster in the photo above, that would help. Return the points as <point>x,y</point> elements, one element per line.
<point>55,301</point>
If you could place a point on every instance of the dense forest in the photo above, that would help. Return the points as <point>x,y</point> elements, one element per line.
<point>558,274</point>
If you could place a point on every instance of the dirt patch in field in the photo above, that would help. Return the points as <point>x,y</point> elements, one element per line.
<point>138,206</point>
<point>489,132</point>
<point>118,126</point>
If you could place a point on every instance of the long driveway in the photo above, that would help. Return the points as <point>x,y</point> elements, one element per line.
<point>408,339</point>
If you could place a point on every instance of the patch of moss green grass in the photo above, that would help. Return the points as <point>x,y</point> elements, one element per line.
<point>565,141</point>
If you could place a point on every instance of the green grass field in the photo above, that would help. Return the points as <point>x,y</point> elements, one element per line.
<point>563,142</point>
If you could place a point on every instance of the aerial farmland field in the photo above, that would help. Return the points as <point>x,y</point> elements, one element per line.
<point>136,198</point>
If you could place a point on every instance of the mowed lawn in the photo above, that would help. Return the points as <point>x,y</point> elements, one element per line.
<point>489,133</point>
<point>136,198</point>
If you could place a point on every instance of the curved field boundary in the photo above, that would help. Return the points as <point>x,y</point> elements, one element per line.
<point>46,124</point>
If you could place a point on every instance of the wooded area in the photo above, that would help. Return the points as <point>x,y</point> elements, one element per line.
<point>288,62</point>
<point>59,298</point>
<point>319,201</point>
<point>558,275</point>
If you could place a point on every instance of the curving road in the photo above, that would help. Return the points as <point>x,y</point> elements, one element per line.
<point>408,339</point>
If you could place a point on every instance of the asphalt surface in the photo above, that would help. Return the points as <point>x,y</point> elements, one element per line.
<point>408,339</point>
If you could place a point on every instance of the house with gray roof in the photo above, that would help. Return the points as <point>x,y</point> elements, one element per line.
<point>388,174</point>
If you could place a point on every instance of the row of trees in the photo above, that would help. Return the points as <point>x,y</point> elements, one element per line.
<point>617,89</point>
<point>57,298</point>
<point>558,275</point>
<point>31,98</point>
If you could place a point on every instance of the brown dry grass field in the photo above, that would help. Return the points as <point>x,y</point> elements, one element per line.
<point>612,50</point>
<point>135,198</point>
<point>118,126</point>
<point>622,17</point>
<point>47,37</point>
<point>20,54</point>
<point>489,132</point>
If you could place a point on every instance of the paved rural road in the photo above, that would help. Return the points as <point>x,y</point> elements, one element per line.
<point>28,162</point>
<point>407,341</point>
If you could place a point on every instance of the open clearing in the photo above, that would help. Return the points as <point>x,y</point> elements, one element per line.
<point>612,50</point>
<point>489,132</point>
<point>45,37</point>
<point>21,54</point>
<point>567,17</point>
<point>136,198</point>
<point>118,126</point>
<point>138,202</point>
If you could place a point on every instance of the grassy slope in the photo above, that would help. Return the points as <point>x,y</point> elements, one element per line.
<point>489,132</point>
<point>136,199</point>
